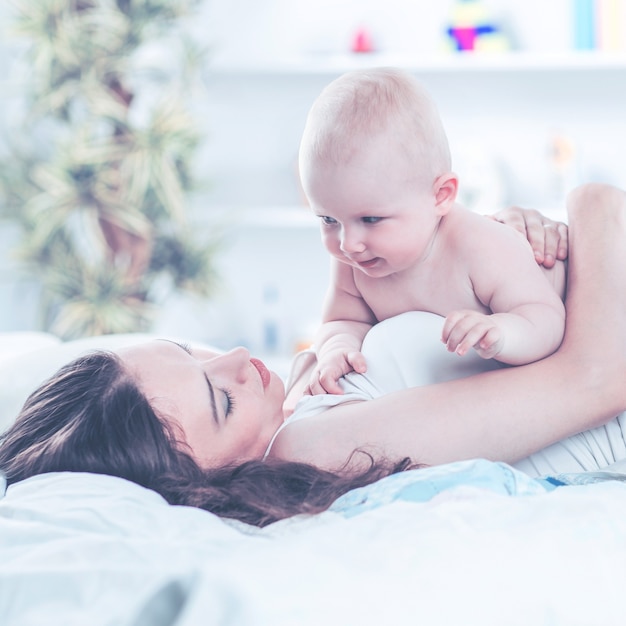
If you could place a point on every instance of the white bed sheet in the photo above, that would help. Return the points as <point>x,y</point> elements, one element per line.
<point>485,548</point>
<point>80,549</point>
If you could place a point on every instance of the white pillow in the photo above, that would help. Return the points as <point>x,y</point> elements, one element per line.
<point>20,342</point>
<point>27,359</point>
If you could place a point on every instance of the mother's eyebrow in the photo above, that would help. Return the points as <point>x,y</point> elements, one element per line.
<point>187,349</point>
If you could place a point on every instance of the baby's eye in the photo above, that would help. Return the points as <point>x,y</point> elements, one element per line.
<point>328,220</point>
<point>371,219</point>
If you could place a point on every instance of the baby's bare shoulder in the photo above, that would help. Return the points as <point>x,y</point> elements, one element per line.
<point>470,231</point>
<point>460,218</point>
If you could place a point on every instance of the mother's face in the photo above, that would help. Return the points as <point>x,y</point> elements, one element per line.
<point>228,405</point>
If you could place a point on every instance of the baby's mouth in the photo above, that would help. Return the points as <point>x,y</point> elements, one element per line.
<point>368,264</point>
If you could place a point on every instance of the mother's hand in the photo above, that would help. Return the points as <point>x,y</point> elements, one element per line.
<point>547,237</point>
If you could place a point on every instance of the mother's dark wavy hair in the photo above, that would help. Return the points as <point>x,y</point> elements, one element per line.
<point>92,417</point>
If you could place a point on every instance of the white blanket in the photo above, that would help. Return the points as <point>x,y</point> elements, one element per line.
<point>474,543</point>
<point>86,550</point>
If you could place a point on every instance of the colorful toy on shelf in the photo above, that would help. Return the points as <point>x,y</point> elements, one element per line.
<point>471,29</point>
<point>598,25</point>
<point>362,41</point>
<point>610,24</point>
<point>584,17</point>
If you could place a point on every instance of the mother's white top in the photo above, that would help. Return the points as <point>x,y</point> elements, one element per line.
<point>406,351</point>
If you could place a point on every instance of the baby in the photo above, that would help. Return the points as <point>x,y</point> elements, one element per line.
<point>375,167</point>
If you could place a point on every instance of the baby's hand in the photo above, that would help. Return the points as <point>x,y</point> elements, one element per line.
<point>331,367</point>
<point>463,330</point>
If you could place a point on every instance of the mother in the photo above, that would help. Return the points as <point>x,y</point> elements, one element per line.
<point>195,425</point>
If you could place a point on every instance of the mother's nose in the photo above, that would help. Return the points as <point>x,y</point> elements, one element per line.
<point>235,362</point>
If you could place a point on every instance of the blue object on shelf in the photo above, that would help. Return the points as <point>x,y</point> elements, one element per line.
<point>584,24</point>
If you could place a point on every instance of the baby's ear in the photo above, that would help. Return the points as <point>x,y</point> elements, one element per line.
<point>445,189</point>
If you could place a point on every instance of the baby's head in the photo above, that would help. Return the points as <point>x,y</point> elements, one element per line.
<point>384,112</point>
<point>375,167</point>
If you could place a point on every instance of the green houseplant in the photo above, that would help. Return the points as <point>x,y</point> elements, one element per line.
<point>99,171</point>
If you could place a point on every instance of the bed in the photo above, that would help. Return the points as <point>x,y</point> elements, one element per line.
<point>474,542</point>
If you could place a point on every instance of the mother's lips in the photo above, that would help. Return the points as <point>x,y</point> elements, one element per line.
<point>263,371</point>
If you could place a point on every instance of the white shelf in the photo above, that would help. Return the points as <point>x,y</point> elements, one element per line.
<point>321,64</point>
<point>279,217</point>
<point>260,217</point>
<point>298,217</point>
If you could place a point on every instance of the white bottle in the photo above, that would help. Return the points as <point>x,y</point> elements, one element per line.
<point>271,319</point>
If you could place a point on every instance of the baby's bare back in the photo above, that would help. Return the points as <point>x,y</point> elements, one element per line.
<point>475,263</point>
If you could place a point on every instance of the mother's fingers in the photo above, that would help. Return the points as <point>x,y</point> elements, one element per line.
<point>554,242</point>
<point>513,217</point>
<point>547,237</point>
<point>563,243</point>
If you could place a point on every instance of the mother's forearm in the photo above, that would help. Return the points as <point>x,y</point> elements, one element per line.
<point>595,337</point>
<point>502,415</point>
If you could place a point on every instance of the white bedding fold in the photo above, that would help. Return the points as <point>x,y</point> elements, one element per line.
<point>86,549</point>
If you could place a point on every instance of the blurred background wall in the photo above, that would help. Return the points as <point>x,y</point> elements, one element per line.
<point>536,108</point>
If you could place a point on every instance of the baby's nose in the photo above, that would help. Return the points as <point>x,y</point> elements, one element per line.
<point>351,241</point>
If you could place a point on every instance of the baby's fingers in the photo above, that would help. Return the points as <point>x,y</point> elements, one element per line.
<point>318,383</point>
<point>490,344</point>
<point>465,330</point>
<point>448,326</point>
<point>357,362</point>
<point>314,388</point>
<point>328,381</point>
<point>475,336</point>
<point>456,325</point>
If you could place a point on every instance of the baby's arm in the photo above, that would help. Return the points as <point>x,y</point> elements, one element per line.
<point>528,317</point>
<point>338,348</point>
<point>346,320</point>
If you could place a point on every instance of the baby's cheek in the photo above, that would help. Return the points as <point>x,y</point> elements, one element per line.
<point>330,241</point>
<point>334,248</point>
